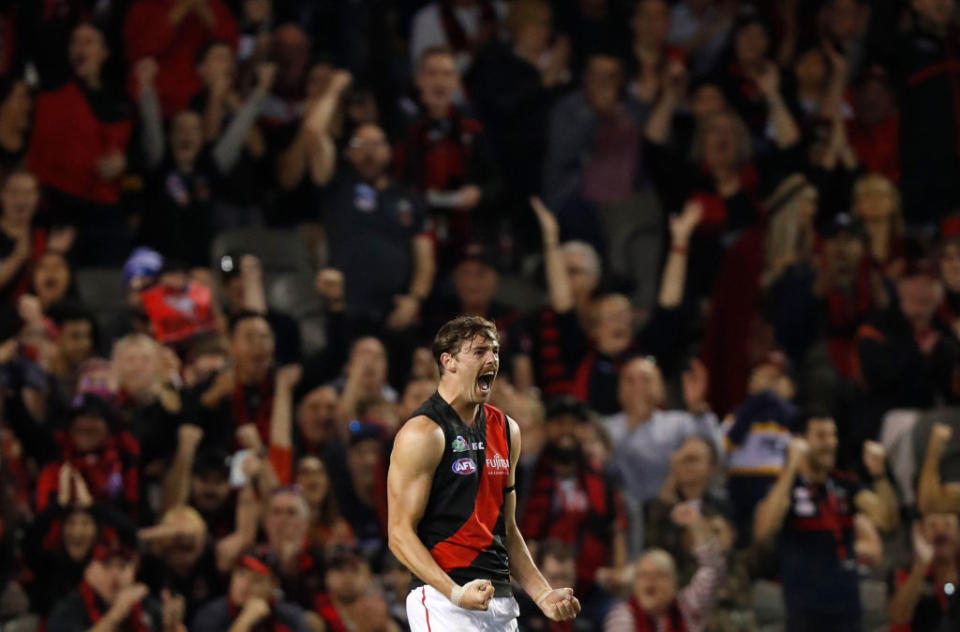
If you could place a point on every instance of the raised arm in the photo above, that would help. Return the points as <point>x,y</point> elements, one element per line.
<point>151,124</point>
<point>786,133</point>
<point>320,148</point>
<point>903,603</point>
<point>176,485</point>
<point>770,513</point>
<point>675,271</point>
<point>660,121</point>
<point>880,503</point>
<point>228,149</point>
<point>558,283</point>
<point>558,604</point>
<point>933,495</point>
<point>417,451</point>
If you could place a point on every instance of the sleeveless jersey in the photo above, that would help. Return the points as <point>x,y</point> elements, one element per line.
<point>462,525</point>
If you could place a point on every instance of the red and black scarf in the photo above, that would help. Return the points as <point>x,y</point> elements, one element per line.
<point>93,605</point>
<point>644,622</point>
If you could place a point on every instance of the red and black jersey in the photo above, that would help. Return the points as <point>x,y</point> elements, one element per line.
<point>817,557</point>
<point>463,525</point>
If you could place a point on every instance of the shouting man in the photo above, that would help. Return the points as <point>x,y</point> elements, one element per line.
<point>451,497</point>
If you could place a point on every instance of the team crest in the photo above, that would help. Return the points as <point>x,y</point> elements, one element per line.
<point>459,445</point>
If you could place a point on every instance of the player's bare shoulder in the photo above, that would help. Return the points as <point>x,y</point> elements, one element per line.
<point>419,443</point>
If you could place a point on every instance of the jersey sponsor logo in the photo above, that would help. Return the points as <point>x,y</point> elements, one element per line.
<point>464,467</point>
<point>498,466</point>
<point>459,445</point>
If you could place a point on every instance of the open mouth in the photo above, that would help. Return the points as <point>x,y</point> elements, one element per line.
<point>485,381</point>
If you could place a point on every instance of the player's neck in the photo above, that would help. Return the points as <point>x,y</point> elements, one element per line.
<point>467,411</point>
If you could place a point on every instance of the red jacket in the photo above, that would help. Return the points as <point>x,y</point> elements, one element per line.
<point>68,140</point>
<point>147,33</point>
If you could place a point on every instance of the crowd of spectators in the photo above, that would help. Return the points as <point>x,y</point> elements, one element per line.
<point>720,240</point>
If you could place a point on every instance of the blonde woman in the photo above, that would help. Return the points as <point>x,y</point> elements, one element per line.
<point>876,202</point>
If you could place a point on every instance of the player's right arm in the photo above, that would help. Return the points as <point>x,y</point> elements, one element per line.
<point>417,451</point>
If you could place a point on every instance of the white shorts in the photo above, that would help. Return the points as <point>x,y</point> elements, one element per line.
<point>430,611</point>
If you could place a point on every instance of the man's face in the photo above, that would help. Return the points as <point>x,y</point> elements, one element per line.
<point>316,414</point>
<point>79,533</point>
<point>362,459</point>
<point>874,102</point>
<point>811,68</point>
<point>246,584</point>
<point>474,367</point>
<point>938,12</point>
<point>751,44</point>
<point>475,283</point>
<point>369,152</point>
<point>210,490</point>
<point>186,137</point>
<point>87,51</point>
<point>136,366</point>
<point>88,432</point>
<point>20,197</point>
<point>183,551</point>
<point>822,439</point>
<point>843,253</point>
<point>108,577</point>
<point>613,325</point>
<point>290,50</point>
<point>844,19</point>
<point>348,581</point>
<point>559,573</point>
<point>370,354</point>
<point>583,278</point>
<point>919,298</point>
<point>651,22</point>
<point>563,434</point>
<point>720,142</point>
<point>216,64</point>
<point>51,277</point>
<point>694,462</point>
<point>640,386</point>
<point>950,266</point>
<point>602,81</point>
<point>438,81</point>
<point>656,585</point>
<point>941,531</point>
<point>252,346</point>
<point>313,480</point>
<point>416,393</point>
<point>707,100</point>
<point>874,204</point>
<point>286,520</point>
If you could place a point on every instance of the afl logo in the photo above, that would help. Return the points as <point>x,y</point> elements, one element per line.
<point>464,467</point>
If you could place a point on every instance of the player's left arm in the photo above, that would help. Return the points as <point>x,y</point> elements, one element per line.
<point>558,604</point>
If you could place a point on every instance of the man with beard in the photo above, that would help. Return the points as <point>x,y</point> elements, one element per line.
<point>827,525</point>
<point>376,230</point>
<point>572,500</point>
<point>451,500</point>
